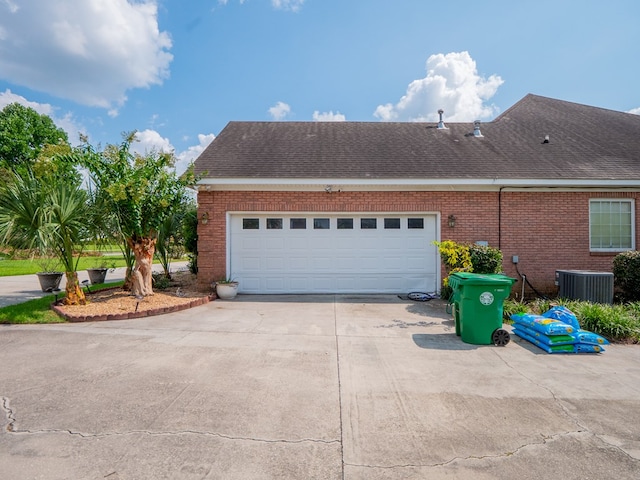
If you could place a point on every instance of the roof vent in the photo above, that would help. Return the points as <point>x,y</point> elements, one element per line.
<point>546,139</point>
<point>441,125</point>
<point>476,129</point>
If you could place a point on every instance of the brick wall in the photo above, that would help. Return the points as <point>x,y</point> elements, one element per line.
<point>547,230</point>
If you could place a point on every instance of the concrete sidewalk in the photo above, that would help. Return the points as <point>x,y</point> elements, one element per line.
<point>20,288</point>
<point>309,387</point>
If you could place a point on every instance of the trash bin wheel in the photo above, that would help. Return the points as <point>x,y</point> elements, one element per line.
<point>500,337</point>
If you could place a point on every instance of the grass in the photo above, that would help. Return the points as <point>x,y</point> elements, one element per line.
<point>617,323</point>
<point>39,309</point>
<point>25,267</point>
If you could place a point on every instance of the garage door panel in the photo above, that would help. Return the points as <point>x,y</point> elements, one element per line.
<point>331,260</point>
<point>297,264</point>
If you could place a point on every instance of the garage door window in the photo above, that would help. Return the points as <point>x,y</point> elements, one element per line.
<point>250,223</point>
<point>274,224</point>
<point>345,224</point>
<point>415,223</point>
<point>368,223</point>
<point>298,223</point>
<point>321,223</point>
<point>392,223</point>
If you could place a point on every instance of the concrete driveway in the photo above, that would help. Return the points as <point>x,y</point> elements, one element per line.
<point>309,387</point>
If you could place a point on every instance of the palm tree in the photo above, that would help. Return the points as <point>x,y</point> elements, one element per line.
<point>49,217</point>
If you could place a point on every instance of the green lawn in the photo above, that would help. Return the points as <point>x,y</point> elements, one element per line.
<point>39,309</point>
<point>26,267</point>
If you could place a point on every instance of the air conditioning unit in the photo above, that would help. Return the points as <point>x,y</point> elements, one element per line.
<point>596,287</point>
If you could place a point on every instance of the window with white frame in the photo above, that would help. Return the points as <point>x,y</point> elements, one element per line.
<point>611,225</point>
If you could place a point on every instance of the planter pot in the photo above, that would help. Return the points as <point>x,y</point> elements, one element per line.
<point>226,291</point>
<point>49,281</point>
<point>97,275</point>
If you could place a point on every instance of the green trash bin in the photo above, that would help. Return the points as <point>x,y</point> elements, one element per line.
<point>477,306</point>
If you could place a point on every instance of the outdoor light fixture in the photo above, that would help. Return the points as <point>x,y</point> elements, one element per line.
<point>204,218</point>
<point>452,220</point>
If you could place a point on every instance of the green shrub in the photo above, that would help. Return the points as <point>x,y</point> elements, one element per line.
<point>160,281</point>
<point>463,257</point>
<point>626,272</point>
<point>485,259</point>
<point>511,307</point>
<point>190,234</point>
<point>614,322</point>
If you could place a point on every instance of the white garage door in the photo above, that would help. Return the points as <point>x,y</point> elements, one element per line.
<point>322,253</point>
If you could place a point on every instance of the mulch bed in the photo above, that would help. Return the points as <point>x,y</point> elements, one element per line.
<point>117,304</point>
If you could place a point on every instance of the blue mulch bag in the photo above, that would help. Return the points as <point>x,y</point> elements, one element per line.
<point>589,338</point>
<point>547,348</point>
<point>564,315</point>
<point>550,340</point>
<point>587,348</point>
<point>548,326</point>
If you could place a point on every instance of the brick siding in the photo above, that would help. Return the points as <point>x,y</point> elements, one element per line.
<point>547,230</point>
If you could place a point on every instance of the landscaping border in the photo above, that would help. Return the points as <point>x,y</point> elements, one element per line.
<point>196,302</point>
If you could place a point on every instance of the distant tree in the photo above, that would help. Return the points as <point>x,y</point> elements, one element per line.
<point>140,192</point>
<point>23,135</point>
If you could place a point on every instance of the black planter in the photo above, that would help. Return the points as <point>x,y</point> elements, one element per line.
<point>49,281</point>
<point>97,275</point>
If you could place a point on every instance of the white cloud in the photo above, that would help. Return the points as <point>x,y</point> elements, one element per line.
<point>328,117</point>
<point>88,51</point>
<point>66,122</point>
<point>292,5</point>
<point>150,140</point>
<point>185,158</point>
<point>453,84</point>
<point>13,8</point>
<point>635,111</point>
<point>279,111</point>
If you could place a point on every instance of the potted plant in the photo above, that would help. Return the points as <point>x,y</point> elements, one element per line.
<point>98,273</point>
<point>226,288</point>
<point>49,275</point>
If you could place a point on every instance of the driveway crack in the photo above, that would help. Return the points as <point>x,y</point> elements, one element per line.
<point>543,441</point>
<point>10,416</point>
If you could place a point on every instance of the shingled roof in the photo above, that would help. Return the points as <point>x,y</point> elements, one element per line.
<point>585,142</point>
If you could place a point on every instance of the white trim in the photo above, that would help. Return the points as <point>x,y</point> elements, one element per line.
<point>632,202</point>
<point>424,184</point>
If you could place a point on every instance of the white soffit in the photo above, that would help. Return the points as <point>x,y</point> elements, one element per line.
<point>450,184</point>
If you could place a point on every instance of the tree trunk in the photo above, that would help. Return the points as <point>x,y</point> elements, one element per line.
<point>142,281</point>
<point>74,293</point>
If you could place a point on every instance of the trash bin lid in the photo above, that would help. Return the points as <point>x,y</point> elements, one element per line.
<point>496,279</point>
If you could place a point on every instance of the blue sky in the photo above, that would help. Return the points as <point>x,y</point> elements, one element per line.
<point>178,71</point>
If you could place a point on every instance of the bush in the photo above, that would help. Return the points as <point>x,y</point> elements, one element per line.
<point>485,259</point>
<point>190,234</point>
<point>626,272</point>
<point>615,322</point>
<point>463,257</point>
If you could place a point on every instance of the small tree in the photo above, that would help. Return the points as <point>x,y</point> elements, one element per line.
<point>46,217</point>
<point>141,192</point>
<point>170,240</point>
<point>190,235</point>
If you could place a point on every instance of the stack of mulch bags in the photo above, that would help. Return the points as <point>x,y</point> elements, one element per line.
<point>557,331</point>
